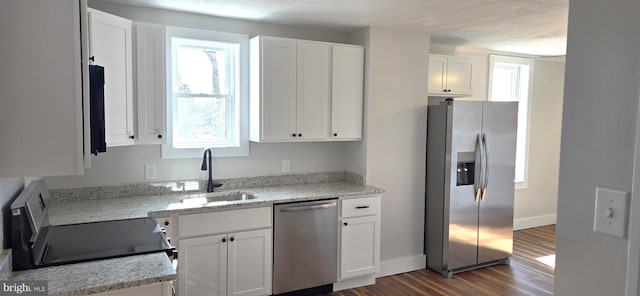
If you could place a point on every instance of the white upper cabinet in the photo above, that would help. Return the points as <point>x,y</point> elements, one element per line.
<point>110,45</point>
<point>347,81</point>
<point>273,89</point>
<point>43,82</point>
<point>150,83</point>
<point>312,75</point>
<point>293,85</point>
<point>450,76</point>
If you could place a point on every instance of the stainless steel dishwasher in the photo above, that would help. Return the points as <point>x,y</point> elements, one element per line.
<point>305,245</point>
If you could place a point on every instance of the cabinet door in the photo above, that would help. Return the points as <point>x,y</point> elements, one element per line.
<point>41,122</point>
<point>250,263</point>
<point>437,74</point>
<point>150,83</point>
<point>110,45</point>
<point>312,77</point>
<point>278,89</point>
<point>347,82</point>
<point>360,246</point>
<point>202,268</point>
<point>459,72</point>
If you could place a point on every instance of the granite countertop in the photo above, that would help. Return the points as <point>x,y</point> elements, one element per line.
<point>68,212</point>
<point>100,276</point>
<point>126,272</point>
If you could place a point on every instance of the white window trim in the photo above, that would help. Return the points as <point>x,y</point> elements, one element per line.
<point>522,61</point>
<point>168,152</point>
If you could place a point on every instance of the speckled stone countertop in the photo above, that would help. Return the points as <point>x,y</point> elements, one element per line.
<point>69,212</point>
<point>102,275</point>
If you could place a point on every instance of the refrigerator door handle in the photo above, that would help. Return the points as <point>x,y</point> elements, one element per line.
<point>477,186</point>
<point>485,167</point>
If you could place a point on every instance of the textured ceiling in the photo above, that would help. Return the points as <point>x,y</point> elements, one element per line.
<point>537,27</point>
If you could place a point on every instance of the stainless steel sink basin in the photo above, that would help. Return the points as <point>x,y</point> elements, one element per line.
<point>207,198</point>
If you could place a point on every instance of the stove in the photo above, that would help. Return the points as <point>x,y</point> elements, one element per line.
<point>36,244</point>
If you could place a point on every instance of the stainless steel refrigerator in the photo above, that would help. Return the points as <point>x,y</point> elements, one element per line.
<point>471,150</point>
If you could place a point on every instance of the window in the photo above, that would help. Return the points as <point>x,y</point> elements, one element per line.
<point>510,80</point>
<point>207,93</point>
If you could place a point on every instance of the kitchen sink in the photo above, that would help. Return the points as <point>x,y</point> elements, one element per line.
<point>208,198</point>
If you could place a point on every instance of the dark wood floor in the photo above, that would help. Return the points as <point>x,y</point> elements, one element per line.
<point>525,275</point>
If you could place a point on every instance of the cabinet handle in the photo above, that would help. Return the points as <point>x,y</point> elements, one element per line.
<point>166,223</point>
<point>232,239</point>
<point>335,134</point>
<point>362,207</point>
<point>345,223</point>
<point>92,58</point>
<point>224,240</point>
<point>299,135</point>
<point>132,137</point>
<point>159,136</point>
<point>294,135</point>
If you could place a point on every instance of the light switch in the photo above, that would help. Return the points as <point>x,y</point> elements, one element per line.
<point>611,212</point>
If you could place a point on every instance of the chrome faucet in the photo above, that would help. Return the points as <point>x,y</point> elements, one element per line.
<point>210,184</point>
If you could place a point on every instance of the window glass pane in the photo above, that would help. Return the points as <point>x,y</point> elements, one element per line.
<point>504,85</point>
<point>199,122</point>
<point>204,100</point>
<point>201,70</point>
<point>510,82</point>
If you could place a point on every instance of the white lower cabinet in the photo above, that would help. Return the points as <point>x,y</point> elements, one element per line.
<point>359,246</point>
<point>228,264</point>
<point>249,263</point>
<point>360,237</point>
<point>236,262</point>
<point>202,266</point>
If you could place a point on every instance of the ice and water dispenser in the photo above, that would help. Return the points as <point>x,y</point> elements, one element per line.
<point>466,168</point>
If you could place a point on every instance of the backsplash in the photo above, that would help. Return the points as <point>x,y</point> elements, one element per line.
<point>194,186</point>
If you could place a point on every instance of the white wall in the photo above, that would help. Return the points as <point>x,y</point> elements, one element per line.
<point>536,204</point>
<point>395,129</point>
<point>599,128</point>
<point>125,165</point>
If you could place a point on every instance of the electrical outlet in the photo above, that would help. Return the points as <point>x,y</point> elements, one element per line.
<point>149,171</point>
<point>286,166</point>
<point>611,212</point>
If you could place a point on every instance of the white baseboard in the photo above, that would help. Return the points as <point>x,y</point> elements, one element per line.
<point>354,283</point>
<point>396,266</point>
<point>536,221</point>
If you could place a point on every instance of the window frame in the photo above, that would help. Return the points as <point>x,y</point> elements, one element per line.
<point>493,59</point>
<point>242,97</point>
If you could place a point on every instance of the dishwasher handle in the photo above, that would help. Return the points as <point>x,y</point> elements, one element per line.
<point>310,208</point>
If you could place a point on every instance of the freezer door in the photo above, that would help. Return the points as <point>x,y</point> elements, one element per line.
<point>495,227</point>
<point>464,124</point>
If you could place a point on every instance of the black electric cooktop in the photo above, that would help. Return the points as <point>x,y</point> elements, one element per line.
<point>100,240</point>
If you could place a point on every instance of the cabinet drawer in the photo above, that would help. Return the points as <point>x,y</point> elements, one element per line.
<point>360,206</point>
<point>223,221</point>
